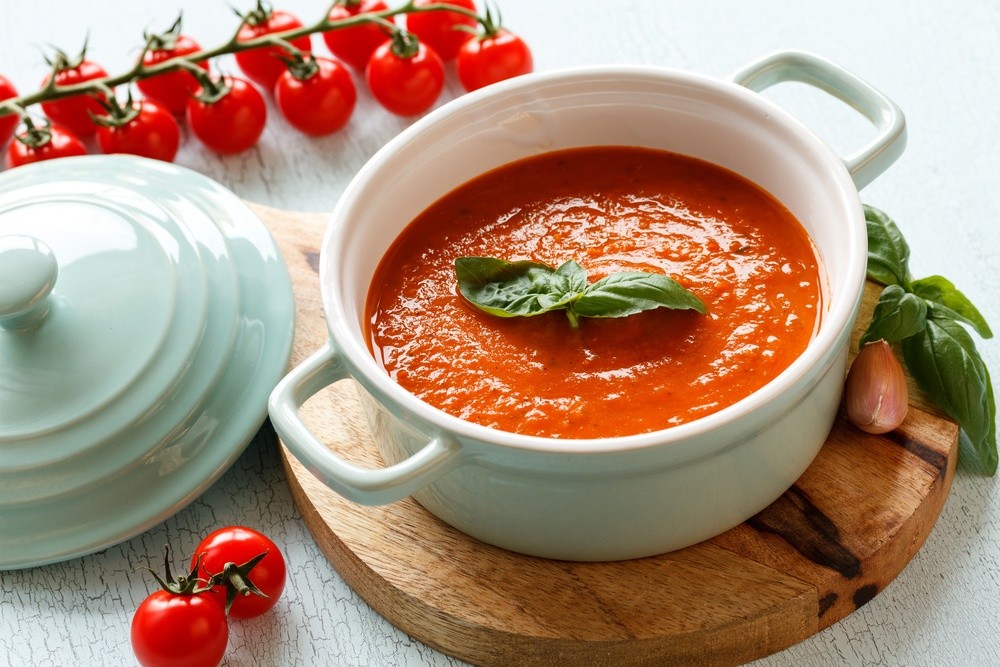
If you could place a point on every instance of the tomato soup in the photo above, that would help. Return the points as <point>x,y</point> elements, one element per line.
<point>611,209</point>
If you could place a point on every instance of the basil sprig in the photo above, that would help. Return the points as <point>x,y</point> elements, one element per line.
<point>925,317</point>
<point>526,288</point>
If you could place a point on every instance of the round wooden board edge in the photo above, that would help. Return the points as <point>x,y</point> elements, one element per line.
<point>452,633</point>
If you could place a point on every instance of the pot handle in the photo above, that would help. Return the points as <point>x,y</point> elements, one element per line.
<point>362,485</point>
<point>872,159</point>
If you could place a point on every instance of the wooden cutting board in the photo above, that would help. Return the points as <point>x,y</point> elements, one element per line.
<point>827,546</point>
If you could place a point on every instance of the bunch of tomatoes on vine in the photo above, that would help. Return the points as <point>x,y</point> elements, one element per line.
<point>399,53</point>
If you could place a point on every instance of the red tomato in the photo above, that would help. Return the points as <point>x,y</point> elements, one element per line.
<point>441,30</point>
<point>172,89</point>
<point>405,84</point>
<point>9,122</point>
<point>319,103</point>
<point>37,144</point>
<point>492,58</point>
<point>264,65</point>
<point>237,545</point>
<point>355,45</point>
<point>232,123</point>
<point>152,132</point>
<point>172,630</point>
<point>73,112</point>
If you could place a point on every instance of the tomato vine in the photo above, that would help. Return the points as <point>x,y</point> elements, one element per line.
<point>141,70</point>
<point>172,70</point>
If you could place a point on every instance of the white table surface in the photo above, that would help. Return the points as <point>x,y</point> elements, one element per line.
<point>938,61</point>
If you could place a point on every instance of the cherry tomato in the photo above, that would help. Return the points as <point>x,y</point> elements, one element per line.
<point>233,122</point>
<point>9,122</point>
<point>37,144</point>
<point>355,45</point>
<point>264,65</point>
<point>152,132</point>
<point>491,58</point>
<point>171,89</point>
<point>172,630</point>
<point>74,112</point>
<point>405,84</point>
<point>442,30</point>
<point>239,544</point>
<point>316,100</point>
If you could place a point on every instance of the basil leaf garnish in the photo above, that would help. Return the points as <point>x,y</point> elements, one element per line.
<point>888,252</point>
<point>631,292</point>
<point>926,316</point>
<point>945,363</point>
<point>957,306</point>
<point>510,289</point>
<point>525,288</point>
<point>898,315</point>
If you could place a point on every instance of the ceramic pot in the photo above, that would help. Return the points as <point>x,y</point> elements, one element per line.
<point>612,498</point>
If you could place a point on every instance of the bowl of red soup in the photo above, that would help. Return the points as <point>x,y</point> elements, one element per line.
<point>599,313</point>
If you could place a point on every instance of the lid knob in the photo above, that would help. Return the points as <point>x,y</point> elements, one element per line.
<point>28,271</point>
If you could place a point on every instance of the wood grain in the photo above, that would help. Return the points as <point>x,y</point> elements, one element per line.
<point>827,546</point>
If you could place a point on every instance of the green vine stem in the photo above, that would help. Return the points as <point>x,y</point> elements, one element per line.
<point>52,91</point>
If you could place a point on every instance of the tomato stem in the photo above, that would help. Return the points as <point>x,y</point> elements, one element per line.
<point>61,61</point>
<point>236,579</point>
<point>404,43</point>
<point>260,14</point>
<point>165,40</point>
<point>183,585</point>
<point>33,136</point>
<point>491,24</point>
<point>117,114</point>
<point>303,66</point>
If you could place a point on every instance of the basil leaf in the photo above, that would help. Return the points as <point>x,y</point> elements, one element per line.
<point>571,277</point>
<point>523,288</point>
<point>526,288</point>
<point>946,365</point>
<point>888,252</point>
<point>631,292</point>
<point>898,315</point>
<point>957,306</point>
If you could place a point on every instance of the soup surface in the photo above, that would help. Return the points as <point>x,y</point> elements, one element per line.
<point>611,209</point>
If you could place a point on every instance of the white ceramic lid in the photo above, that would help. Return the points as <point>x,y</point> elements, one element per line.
<point>145,315</point>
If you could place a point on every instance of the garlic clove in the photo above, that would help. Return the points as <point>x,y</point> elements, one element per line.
<point>875,392</point>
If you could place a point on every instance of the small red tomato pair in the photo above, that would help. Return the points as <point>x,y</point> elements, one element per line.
<point>185,622</point>
<point>263,65</point>
<point>406,74</point>
<point>493,55</point>
<point>440,30</point>
<point>142,128</point>
<point>404,69</point>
